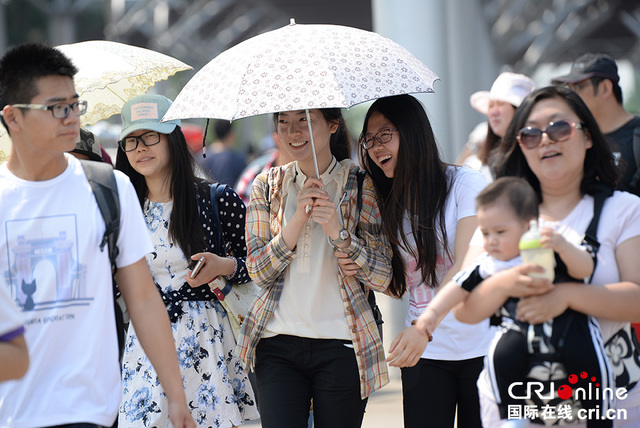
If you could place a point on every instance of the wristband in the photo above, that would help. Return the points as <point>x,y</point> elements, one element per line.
<point>235,268</point>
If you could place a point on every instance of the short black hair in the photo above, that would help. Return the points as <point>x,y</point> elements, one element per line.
<point>222,128</point>
<point>23,64</point>
<point>516,192</point>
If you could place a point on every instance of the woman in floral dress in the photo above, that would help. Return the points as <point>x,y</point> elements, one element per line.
<point>178,210</point>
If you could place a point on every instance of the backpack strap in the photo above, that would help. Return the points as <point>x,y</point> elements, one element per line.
<point>103,184</point>
<point>590,239</point>
<point>635,180</point>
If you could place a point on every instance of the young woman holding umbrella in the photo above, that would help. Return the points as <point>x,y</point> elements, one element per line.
<point>311,333</point>
<point>178,209</point>
<point>428,214</point>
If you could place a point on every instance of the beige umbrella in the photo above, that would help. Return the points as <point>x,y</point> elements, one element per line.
<point>110,73</point>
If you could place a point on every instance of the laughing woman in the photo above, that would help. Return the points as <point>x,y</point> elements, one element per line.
<point>429,216</point>
<point>177,208</point>
<point>311,334</point>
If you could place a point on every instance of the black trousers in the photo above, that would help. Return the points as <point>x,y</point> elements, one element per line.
<point>79,425</point>
<point>432,389</point>
<point>291,371</point>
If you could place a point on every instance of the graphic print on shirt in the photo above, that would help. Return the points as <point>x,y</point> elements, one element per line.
<point>43,263</point>
<point>421,294</point>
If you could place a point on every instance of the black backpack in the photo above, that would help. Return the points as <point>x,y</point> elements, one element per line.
<point>634,185</point>
<point>103,184</point>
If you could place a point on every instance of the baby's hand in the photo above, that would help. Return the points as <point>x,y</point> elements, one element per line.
<point>549,238</point>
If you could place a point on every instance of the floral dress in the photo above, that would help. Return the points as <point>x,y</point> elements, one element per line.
<point>216,386</point>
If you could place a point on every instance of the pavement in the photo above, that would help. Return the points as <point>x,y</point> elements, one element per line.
<point>384,409</point>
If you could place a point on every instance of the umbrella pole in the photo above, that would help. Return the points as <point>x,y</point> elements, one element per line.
<point>313,144</point>
<point>307,209</point>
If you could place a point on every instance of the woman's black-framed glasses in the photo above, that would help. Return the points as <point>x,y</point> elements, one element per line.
<point>150,138</point>
<point>383,136</point>
<point>59,110</point>
<point>557,132</point>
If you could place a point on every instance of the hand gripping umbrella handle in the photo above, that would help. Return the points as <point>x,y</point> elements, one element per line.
<point>313,149</point>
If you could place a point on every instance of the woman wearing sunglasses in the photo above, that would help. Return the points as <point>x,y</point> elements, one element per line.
<point>178,210</point>
<point>429,216</point>
<point>555,144</point>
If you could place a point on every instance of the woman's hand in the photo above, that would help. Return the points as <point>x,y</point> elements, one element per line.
<point>348,266</point>
<point>541,308</point>
<point>312,190</point>
<point>408,347</point>
<point>520,284</point>
<point>214,266</point>
<point>491,293</point>
<point>324,212</point>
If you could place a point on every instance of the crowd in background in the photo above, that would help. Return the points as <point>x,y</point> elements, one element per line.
<point>317,235</point>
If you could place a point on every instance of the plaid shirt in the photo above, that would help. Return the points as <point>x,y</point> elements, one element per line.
<point>268,258</point>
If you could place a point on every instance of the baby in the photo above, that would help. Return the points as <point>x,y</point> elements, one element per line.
<point>504,210</point>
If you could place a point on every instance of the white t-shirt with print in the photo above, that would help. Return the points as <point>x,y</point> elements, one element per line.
<point>453,340</point>
<point>11,321</point>
<point>51,263</point>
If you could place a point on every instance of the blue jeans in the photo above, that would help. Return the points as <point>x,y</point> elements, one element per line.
<point>291,371</point>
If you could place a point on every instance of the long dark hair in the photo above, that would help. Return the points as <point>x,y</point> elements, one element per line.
<point>599,164</point>
<point>184,223</point>
<point>339,143</point>
<point>490,143</point>
<point>420,187</point>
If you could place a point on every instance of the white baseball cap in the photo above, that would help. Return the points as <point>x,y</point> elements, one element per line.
<point>509,87</point>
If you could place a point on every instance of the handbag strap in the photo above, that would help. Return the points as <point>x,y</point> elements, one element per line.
<point>217,189</point>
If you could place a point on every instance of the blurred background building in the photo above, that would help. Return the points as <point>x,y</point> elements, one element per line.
<point>466,42</point>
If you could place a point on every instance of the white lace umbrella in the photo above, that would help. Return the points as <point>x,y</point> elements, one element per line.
<point>109,74</point>
<point>301,67</point>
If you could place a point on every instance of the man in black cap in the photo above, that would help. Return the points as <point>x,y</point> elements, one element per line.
<point>595,78</point>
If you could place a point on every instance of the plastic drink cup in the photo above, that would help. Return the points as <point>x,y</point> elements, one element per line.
<point>532,252</point>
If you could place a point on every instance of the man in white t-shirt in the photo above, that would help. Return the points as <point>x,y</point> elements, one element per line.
<point>14,355</point>
<point>53,268</point>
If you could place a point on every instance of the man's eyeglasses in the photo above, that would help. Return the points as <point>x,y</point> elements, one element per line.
<point>383,136</point>
<point>579,86</point>
<point>150,138</point>
<point>59,110</point>
<point>557,132</point>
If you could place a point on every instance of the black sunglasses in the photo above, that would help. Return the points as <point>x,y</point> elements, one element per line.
<point>557,132</point>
